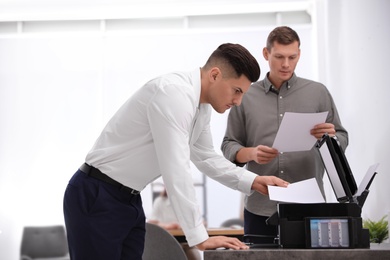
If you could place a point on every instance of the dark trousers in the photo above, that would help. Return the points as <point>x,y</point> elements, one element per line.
<point>102,222</point>
<point>256,225</point>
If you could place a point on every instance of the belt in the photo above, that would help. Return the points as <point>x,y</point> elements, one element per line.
<point>97,174</point>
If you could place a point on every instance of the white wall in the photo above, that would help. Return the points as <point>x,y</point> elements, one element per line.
<point>58,90</point>
<point>357,75</point>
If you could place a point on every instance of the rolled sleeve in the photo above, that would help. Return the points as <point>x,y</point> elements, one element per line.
<point>196,235</point>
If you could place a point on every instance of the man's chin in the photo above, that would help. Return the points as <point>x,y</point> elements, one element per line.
<point>221,111</point>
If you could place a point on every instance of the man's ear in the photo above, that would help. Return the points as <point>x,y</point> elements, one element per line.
<point>214,73</point>
<point>265,53</point>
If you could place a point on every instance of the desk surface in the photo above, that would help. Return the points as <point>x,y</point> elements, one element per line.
<point>381,251</point>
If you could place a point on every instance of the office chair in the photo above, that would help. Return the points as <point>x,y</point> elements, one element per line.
<point>45,243</point>
<point>233,223</point>
<point>160,244</point>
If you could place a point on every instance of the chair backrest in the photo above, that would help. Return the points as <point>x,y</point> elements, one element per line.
<point>44,241</point>
<point>233,222</point>
<point>160,244</point>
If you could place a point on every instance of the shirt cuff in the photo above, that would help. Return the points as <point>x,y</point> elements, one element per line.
<point>196,235</point>
<point>246,182</point>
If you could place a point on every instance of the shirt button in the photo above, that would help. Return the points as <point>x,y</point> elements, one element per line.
<point>281,152</point>
<point>281,114</point>
<point>281,171</point>
<point>288,86</point>
<point>280,97</point>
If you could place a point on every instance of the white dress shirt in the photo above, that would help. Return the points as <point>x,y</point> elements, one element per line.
<point>156,133</point>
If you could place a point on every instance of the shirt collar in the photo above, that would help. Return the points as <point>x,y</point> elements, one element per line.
<point>288,84</point>
<point>196,81</point>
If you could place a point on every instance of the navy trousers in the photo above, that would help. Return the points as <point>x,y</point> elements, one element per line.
<point>256,225</point>
<point>102,222</point>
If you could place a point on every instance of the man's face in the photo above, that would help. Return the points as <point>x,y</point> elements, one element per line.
<point>282,60</point>
<point>228,92</point>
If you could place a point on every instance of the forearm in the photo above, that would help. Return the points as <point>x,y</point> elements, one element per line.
<point>245,155</point>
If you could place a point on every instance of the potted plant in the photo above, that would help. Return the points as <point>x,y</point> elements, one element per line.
<point>379,230</point>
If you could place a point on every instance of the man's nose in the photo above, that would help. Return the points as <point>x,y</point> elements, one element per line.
<point>237,100</point>
<point>286,63</point>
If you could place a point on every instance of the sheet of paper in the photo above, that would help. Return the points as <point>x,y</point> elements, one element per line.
<point>294,131</point>
<point>306,191</point>
<point>370,172</point>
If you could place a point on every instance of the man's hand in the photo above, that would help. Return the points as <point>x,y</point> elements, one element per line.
<point>261,182</point>
<point>221,241</point>
<point>263,154</point>
<point>319,130</point>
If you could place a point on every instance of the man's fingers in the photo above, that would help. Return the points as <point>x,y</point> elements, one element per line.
<point>236,244</point>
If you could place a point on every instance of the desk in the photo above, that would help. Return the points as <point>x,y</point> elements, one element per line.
<point>230,232</point>
<point>381,251</point>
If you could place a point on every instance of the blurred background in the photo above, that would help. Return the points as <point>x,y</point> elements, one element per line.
<point>67,66</point>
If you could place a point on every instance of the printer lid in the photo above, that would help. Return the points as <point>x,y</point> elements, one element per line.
<point>337,168</point>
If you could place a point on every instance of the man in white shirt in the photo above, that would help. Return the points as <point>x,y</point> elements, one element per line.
<point>157,132</point>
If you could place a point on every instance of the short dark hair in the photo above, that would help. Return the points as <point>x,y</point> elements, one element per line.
<point>234,60</point>
<point>282,35</point>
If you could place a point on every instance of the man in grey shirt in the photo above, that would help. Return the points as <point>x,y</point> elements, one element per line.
<point>252,127</point>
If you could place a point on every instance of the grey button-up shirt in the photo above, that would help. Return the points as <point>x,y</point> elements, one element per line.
<point>256,122</point>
